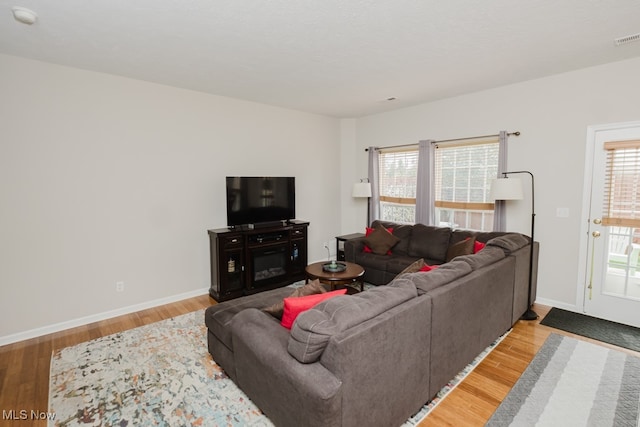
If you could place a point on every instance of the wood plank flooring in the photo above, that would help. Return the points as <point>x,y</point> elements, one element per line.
<point>475,399</point>
<point>24,366</point>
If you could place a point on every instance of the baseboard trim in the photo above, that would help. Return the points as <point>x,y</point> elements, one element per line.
<point>558,304</point>
<point>57,327</point>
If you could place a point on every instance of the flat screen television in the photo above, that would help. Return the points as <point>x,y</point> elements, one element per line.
<point>259,199</point>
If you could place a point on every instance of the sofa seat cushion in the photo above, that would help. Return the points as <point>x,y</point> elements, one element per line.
<point>313,328</point>
<point>219,316</point>
<point>370,259</point>
<point>425,281</point>
<point>429,242</point>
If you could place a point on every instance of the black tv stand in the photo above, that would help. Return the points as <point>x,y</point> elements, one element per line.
<point>248,260</point>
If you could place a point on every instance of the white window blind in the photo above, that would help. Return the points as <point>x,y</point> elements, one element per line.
<point>462,178</point>
<point>398,174</point>
<point>622,184</point>
<point>397,181</point>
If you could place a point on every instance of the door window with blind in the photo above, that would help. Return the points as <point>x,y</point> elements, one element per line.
<point>462,178</point>
<point>397,182</point>
<point>621,207</point>
<point>622,184</point>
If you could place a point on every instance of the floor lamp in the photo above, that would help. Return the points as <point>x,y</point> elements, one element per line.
<point>511,189</point>
<point>362,189</point>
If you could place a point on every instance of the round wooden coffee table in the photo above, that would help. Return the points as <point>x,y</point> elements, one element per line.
<point>352,275</point>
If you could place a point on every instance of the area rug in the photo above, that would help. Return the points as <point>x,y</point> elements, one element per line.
<point>591,327</point>
<point>159,375</point>
<point>572,382</point>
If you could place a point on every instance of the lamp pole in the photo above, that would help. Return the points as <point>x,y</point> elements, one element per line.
<point>529,314</point>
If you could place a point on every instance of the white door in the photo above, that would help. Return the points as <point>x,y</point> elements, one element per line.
<point>612,288</point>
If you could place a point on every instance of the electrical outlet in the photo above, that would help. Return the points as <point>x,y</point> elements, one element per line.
<point>326,248</point>
<point>119,286</point>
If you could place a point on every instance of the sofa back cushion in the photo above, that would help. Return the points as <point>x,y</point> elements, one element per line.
<point>428,280</point>
<point>480,236</point>
<point>509,242</point>
<point>313,328</point>
<point>488,255</point>
<point>429,242</point>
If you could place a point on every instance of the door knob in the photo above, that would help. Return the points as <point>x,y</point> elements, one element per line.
<point>596,234</point>
<point>597,221</point>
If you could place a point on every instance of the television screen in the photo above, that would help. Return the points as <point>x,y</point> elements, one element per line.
<point>254,200</point>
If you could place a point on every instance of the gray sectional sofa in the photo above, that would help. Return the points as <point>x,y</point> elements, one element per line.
<point>376,357</point>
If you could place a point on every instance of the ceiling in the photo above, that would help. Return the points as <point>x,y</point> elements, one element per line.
<point>342,58</point>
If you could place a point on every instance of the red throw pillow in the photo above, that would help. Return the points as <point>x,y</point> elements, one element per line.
<point>369,230</point>
<point>477,246</point>
<point>294,306</point>
<point>429,267</point>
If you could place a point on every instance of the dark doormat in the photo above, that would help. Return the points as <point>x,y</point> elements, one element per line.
<point>591,327</point>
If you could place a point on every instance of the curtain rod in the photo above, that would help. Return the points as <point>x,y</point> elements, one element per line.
<point>516,133</point>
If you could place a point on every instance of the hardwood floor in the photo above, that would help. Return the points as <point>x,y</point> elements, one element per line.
<point>475,399</point>
<point>24,366</point>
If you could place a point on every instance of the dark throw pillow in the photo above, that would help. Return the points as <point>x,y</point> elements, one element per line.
<point>381,240</point>
<point>311,288</point>
<point>464,247</point>
<point>414,267</point>
<point>367,233</point>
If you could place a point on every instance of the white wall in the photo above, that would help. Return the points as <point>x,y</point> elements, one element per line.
<point>106,179</point>
<point>553,114</point>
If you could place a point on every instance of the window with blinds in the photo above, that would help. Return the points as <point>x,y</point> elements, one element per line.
<point>397,181</point>
<point>622,184</point>
<point>462,178</point>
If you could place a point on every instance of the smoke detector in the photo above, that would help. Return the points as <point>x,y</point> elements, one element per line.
<point>24,15</point>
<point>627,39</point>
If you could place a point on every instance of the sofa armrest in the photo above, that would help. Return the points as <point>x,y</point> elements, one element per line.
<point>353,247</point>
<point>290,393</point>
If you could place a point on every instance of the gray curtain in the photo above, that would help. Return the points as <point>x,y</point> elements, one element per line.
<point>499,213</point>
<point>374,174</point>
<point>425,200</point>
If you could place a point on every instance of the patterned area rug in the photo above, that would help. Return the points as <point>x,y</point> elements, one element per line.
<point>159,375</point>
<point>574,383</point>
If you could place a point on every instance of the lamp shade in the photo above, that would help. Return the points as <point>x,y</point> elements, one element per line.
<point>361,189</point>
<point>506,189</point>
